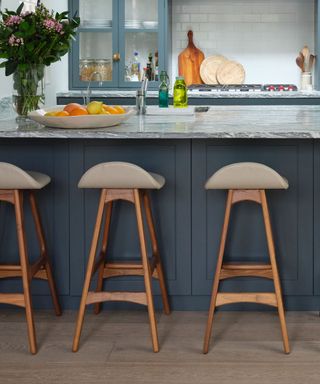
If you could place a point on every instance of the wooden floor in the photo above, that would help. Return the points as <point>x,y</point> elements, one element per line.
<point>116,348</point>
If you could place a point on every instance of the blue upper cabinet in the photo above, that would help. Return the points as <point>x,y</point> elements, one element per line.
<point>117,41</point>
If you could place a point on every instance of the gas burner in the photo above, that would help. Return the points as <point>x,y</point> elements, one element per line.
<point>243,88</point>
<point>280,88</point>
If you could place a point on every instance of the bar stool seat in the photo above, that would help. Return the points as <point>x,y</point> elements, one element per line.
<point>12,177</point>
<point>128,182</point>
<point>120,175</point>
<point>15,183</point>
<point>246,176</point>
<point>246,182</point>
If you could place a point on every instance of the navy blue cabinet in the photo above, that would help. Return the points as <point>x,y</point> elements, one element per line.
<point>291,214</point>
<point>110,34</point>
<point>51,158</point>
<point>172,210</point>
<point>188,219</point>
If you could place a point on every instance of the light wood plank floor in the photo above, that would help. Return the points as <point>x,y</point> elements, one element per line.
<point>116,349</point>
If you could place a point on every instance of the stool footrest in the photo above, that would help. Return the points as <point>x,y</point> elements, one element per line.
<point>230,270</point>
<point>132,297</point>
<point>37,270</point>
<point>114,269</point>
<point>12,298</point>
<point>258,298</point>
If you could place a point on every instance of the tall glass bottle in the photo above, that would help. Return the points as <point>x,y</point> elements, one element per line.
<point>180,97</point>
<point>164,90</point>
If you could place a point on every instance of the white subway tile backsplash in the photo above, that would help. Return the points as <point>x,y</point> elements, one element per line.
<point>264,35</point>
<point>199,17</point>
<point>183,17</point>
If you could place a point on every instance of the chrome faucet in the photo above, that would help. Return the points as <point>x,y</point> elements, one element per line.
<point>95,74</point>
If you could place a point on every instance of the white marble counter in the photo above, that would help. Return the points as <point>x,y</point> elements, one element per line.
<point>198,94</point>
<point>265,122</point>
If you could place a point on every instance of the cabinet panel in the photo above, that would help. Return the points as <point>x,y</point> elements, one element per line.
<point>91,56</point>
<point>317,218</point>
<point>121,28</point>
<point>52,159</point>
<point>171,209</point>
<point>291,214</point>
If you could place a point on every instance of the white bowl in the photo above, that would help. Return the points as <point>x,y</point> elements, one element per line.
<point>79,122</point>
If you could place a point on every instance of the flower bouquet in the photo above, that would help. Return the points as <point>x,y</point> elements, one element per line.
<point>29,41</point>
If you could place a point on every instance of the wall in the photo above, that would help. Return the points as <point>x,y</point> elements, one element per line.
<point>56,75</point>
<point>265,36</point>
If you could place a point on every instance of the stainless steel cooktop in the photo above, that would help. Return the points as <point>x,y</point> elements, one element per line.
<point>243,88</point>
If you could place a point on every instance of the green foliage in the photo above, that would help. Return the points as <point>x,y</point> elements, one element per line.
<point>40,37</point>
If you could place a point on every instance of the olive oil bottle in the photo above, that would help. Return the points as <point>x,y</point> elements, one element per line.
<point>180,98</point>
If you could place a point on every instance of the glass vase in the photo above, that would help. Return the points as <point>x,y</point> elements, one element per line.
<point>28,89</point>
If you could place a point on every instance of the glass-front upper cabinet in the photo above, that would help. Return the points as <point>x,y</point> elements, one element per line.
<point>118,42</point>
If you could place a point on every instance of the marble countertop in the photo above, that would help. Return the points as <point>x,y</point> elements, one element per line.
<point>270,122</point>
<point>198,94</point>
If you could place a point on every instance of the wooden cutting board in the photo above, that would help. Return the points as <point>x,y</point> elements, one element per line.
<point>189,61</point>
<point>209,67</point>
<point>231,72</point>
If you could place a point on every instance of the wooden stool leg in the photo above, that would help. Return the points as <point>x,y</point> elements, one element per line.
<point>25,269</point>
<point>275,272</point>
<point>147,271</point>
<point>89,272</point>
<point>44,252</point>
<point>97,306</point>
<point>217,274</point>
<point>155,251</point>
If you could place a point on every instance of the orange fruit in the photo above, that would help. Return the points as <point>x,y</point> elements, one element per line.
<point>111,110</point>
<point>119,109</point>
<point>62,114</point>
<point>71,106</point>
<point>79,112</point>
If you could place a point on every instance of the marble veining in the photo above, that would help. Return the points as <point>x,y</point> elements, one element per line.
<point>234,122</point>
<point>198,94</point>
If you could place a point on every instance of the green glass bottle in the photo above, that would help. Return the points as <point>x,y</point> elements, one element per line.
<point>180,98</point>
<point>164,90</point>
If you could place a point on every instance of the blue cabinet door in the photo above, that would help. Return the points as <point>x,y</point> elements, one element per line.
<point>171,205</point>
<point>291,214</point>
<point>96,42</point>
<point>92,34</point>
<point>49,157</point>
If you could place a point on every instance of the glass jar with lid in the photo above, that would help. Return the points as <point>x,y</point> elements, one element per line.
<point>104,67</point>
<point>87,67</point>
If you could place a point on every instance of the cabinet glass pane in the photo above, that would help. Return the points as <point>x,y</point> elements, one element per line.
<point>140,48</point>
<point>141,14</point>
<point>95,56</point>
<point>95,13</point>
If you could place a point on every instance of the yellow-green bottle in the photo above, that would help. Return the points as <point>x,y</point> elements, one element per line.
<point>180,98</point>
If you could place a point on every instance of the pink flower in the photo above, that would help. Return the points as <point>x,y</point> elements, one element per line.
<point>15,41</point>
<point>13,20</point>
<point>59,27</point>
<point>49,24</point>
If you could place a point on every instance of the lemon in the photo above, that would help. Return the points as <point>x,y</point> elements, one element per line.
<point>51,114</point>
<point>95,107</point>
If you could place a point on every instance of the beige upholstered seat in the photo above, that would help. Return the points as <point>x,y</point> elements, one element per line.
<point>120,175</point>
<point>246,176</point>
<point>12,177</point>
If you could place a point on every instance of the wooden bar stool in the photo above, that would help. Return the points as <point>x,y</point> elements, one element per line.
<point>247,182</point>
<point>14,185</point>
<point>122,181</point>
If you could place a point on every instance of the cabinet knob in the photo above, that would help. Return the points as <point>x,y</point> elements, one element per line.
<point>116,57</point>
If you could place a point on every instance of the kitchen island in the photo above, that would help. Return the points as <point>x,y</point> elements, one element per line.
<point>186,151</point>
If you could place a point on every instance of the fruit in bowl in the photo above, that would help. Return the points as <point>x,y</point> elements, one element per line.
<point>75,116</point>
<point>93,108</point>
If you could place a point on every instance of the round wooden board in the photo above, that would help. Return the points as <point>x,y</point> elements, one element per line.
<point>208,68</point>
<point>231,72</point>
